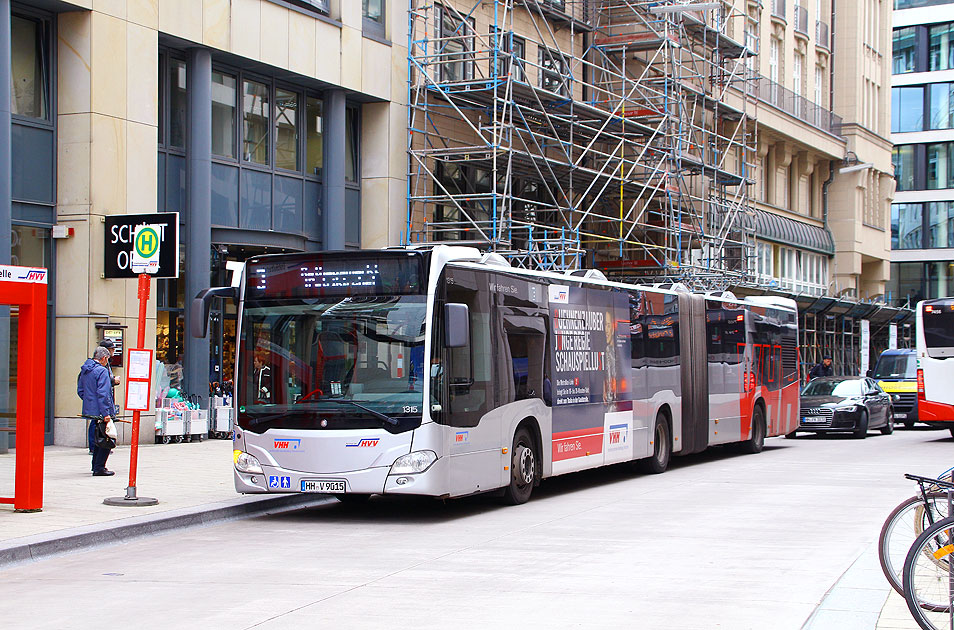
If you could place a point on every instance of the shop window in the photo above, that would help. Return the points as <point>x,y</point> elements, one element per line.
<point>286,129</point>
<point>255,115</point>
<point>373,12</point>
<point>905,50</point>
<point>223,115</point>
<point>906,227</point>
<point>30,68</point>
<point>178,104</point>
<point>314,146</point>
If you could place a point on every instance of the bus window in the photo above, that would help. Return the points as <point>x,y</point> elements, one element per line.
<point>467,371</point>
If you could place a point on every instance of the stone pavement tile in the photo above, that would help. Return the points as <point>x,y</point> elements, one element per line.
<point>843,620</point>
<point>179,475</point>
<point>854,599</point>
<point>895,614</point>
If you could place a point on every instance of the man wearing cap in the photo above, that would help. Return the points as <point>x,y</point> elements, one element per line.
<point>822,369</point>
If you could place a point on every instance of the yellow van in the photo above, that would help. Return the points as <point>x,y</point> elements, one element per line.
<point>897,374</point>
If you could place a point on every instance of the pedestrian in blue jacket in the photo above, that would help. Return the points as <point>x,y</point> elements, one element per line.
<point>94,386</point>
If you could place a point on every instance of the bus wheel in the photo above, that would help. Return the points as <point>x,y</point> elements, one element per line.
<point>755,443</point>
<point>523,469</point>
<point>662,449</point>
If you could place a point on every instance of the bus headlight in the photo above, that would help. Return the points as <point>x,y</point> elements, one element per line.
<point>416,462</point>
<point>246,463</point>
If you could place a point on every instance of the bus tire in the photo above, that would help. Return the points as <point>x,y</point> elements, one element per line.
<point>524,463</point>
<point>662,448</point>
<point>952,431</point>
<point>756,441</point>
<point>909,424</point>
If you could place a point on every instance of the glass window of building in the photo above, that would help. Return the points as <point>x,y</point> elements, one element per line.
<point>178,103</point>
<point>553,71</point>
<point>903,158</point>
<point>313,136</point>
<point>29,61</point>
<point>905,50</point>
<point>907,109</point>
<point>373,13</point>
<point>940,165</point>
<point>255,112</point>
<point>455,57</point>
<point>223,115</point>
<point>351,145</point>
<point>942,106</point>
<point>940,224</point>
<point>940,50</point>
<point>906,226</point>
<point>286,129</point>
<point>940,279</point>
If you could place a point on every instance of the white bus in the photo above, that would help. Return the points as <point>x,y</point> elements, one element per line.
<point>935,351</point>
<point>446,372</point>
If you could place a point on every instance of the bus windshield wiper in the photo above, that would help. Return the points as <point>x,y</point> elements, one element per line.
<point>377,414</point>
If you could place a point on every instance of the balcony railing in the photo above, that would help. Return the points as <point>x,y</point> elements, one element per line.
<point>778,8</point>
<point>798,106</point>
<point>822,34</point>
<point>801,20</point>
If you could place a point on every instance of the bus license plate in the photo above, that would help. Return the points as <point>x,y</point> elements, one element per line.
<point>813,420</point>
<point>318,485</point>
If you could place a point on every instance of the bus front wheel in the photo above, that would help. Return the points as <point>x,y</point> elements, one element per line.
<point>662,448</point>
<point>523,469</point>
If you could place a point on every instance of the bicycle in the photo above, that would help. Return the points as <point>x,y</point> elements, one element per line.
<point>928,576</point>
<point>907,521</point>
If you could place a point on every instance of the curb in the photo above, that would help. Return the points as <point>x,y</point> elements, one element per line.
<point>41,546</point>
<point>856,599</point>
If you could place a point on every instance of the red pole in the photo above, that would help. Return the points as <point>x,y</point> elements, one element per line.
<point>140,343</point>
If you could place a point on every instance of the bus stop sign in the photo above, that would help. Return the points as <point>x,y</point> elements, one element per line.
<point>145,255</point>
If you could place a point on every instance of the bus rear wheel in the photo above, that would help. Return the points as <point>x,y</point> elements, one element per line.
<point>523,469</point>
<point>662,448</point>
<point>756,441</point>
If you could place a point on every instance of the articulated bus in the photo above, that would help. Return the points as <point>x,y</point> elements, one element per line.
<point>446,372</point>
<point>935,352</point>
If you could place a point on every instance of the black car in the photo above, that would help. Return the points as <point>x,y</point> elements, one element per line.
<point>845,404</point>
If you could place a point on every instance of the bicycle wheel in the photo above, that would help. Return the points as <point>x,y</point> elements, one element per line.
<point>928,578</point>
<point>902,527</point>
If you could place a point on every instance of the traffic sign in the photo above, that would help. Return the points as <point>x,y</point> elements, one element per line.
<point>146,246</point>
<point>120,246</point>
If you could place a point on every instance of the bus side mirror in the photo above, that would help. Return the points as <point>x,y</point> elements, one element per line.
<point>202,304</point>
<point>456,325</point>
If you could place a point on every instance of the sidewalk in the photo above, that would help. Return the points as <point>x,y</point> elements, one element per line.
<point>193,483</point>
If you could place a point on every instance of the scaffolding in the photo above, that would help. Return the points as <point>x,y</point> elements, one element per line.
<point>614,134</point>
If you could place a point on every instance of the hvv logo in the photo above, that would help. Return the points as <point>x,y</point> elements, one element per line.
<point>287,445</point>
<point>559,294</point>
<point>364,443</point>
<point>34,274</point>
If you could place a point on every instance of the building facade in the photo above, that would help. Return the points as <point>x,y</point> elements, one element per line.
<point>268,125</point>
<point>922,126</point>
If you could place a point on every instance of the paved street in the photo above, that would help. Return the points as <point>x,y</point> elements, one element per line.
<point>720,541</point>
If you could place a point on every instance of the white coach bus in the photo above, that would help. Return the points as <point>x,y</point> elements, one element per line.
<point>446,372</point>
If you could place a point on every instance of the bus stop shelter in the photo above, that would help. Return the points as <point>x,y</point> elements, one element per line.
<point>26,288</point>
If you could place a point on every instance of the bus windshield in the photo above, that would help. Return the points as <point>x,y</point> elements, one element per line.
<point>897,366</point>
<point>305,361</point>
<point>938,322</point>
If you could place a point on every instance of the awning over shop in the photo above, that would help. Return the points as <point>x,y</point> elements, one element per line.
<point>774,227</point>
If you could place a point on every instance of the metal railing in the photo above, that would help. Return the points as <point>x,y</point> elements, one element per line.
<point>822,34</point>
<point>801,19</point>
<point>779,96</point>
<point>778,8</point>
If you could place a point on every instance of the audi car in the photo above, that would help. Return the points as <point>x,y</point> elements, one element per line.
<point>846,404</point>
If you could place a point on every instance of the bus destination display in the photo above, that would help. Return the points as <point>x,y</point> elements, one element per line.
<point>337,275</point>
